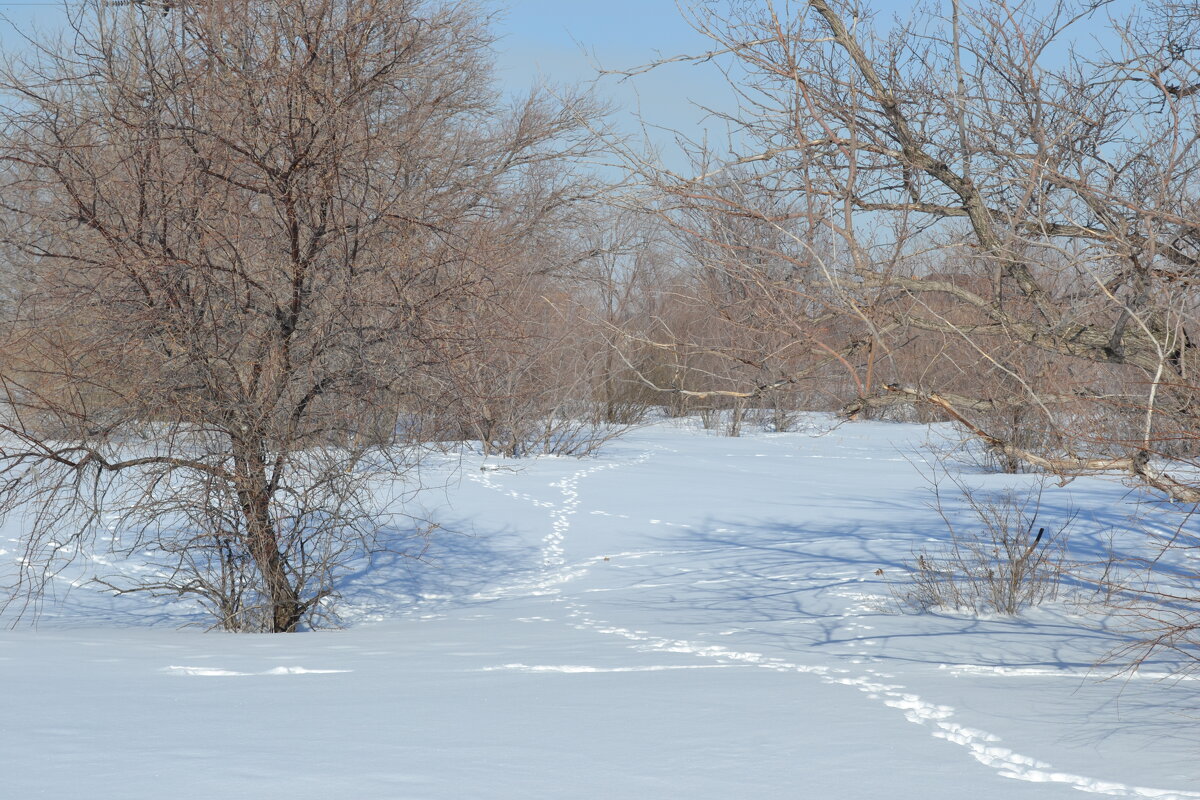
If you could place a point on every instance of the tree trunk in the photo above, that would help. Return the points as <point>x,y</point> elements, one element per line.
<point>262,542</point>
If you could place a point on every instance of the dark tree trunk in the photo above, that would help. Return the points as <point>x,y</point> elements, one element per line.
<point>261,539</point>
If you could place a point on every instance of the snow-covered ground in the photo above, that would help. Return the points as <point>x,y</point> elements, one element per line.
<point>682,616</point>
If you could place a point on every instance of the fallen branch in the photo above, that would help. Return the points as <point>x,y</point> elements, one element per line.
<point>1136,466</point>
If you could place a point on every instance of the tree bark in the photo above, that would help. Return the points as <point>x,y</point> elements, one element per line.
<point>254,497</point>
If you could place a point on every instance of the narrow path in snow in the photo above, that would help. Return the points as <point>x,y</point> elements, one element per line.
<point>876,685</point>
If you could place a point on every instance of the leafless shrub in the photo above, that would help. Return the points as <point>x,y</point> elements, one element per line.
<point>997,562</point>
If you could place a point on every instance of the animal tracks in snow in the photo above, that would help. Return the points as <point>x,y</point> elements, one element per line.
<point>553,556</point>
<point>981,745</point>
<point>879,686</point>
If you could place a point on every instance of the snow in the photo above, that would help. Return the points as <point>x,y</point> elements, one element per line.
<point>683,615</point>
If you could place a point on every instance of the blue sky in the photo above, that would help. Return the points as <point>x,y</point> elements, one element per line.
<point>537,34</point>
<point>563,40</point>
<point>558,40</point>
<point>538,38</point>
<point>25,17</point>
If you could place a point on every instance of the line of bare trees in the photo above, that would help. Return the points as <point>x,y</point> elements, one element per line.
<point>255,250</point>
<point>985,213</point>
<point>978,211</point>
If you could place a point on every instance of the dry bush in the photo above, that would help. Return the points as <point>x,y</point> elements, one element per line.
<point>1001,561</point>
<point>738,319</point>
<point>526,373</point>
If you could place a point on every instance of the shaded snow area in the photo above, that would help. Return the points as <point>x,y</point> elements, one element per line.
<point>682,616</point>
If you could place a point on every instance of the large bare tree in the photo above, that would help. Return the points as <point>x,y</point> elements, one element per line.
<point>239,237</point>
<point>996,199</point>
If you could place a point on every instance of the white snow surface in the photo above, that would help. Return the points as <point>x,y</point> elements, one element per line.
<point>682,616</point>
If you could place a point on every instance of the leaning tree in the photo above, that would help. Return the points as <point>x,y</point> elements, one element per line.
<point>238,237</point>
<point>995,202</point>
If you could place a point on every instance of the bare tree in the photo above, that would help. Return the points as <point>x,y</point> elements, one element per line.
<point>980,184</point>
<point>622,285</point>
<point>240,235</point>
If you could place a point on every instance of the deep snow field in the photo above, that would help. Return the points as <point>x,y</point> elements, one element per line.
<point>682,616</point>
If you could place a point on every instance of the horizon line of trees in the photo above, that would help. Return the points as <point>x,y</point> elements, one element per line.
<point>256,250</point>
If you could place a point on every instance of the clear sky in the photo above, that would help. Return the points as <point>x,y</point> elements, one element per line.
<point>563,41</point>
<point>541,38</point>
<point>566,41</point>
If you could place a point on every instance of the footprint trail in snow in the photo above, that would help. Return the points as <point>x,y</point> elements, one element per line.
<point>876,685</point>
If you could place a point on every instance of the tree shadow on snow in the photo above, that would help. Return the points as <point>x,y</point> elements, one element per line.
<point>838,590</point>
<point>458,564</point>
<point>809,594</point>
